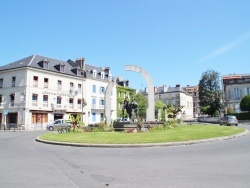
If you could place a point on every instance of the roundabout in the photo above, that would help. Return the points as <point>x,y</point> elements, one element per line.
<point>141,139</point>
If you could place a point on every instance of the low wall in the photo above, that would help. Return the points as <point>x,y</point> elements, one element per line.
<point>209,119</point>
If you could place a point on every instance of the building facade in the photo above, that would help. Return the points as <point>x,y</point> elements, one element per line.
<point>194,91</point>
<point>37,90</point>
<point>235,87</point>
<point>176,96</point>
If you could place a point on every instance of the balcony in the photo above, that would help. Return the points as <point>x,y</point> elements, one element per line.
<point>34,102</point>
<point>45,104</point>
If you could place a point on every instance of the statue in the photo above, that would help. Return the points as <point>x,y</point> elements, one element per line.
<point>131,108</point>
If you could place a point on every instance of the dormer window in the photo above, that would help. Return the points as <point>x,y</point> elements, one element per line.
<point>45,64</point>
<point>62,68</point>
<point>102,75</point>
<point>79,72</point>
<point>94,73</point>
<point>110,77</point>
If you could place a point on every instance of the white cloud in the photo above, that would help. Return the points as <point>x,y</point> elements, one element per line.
<point>226,47</point>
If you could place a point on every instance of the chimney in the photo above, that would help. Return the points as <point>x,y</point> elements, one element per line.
<point>155,89</point>
<point>165,88</point>
<point>80,62</point>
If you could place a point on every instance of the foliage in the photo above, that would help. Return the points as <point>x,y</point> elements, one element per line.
<point>121,92</point>
<point>229,110</point>
<point>241,116</point>
<point>142,105</point>
<point>209,92</point>
<point>173,111</point>
<point>245,103</point>
<point>160,106</point>
<point>75,119</point>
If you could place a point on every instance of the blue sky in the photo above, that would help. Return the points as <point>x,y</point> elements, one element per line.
<point>175,41</point>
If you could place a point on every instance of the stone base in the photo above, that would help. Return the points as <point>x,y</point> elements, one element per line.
<point>122,126</point>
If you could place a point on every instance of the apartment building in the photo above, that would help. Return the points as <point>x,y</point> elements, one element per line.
<point>235,87</point>
<point>37,90</point>
<point>176,96</point>
<point>194,91</point>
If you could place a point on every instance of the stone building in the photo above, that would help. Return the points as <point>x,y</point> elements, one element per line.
<point>235,87</point>
<point>37,90</point>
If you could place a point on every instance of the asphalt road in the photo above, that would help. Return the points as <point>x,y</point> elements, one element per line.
<point>27,163</point>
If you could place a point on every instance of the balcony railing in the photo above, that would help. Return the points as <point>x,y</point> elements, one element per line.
<point>71,106</point>
<point>34,103</point>
<point>45,104</point>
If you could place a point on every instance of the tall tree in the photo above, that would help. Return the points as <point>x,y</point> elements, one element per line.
<point>209,92</point>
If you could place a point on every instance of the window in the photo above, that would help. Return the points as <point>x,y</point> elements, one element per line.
<point>71,103</point>
<point>79,104</point>
<point>58,101</point>
<point>236,93</point>
<point>102,103</point>
<point>45,100</point>
<point>46,81</point>
<point>102,117</point>
<point>1,83</point>
<point>45,64</point>
<point>12,99</point>
<point>13,81</point>
<point>94,73</point>
<point>102,75</point>
<point>248,90</point>
<point>94,89</point>
<point>62,68</point>
<point>35,81</point>
<point>34,99</point>
<point>110,77</point>
<point>71,85</point>
<point>93,103</point>
<point>79,88</point>
<point>102,90</point>
<point>39,118</point>
<point>78,72</point>
<point>93,117</point>
<point>59,84</point>
<point>1,100</point>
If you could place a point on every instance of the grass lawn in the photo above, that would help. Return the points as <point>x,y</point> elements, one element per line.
<point>181,133</point>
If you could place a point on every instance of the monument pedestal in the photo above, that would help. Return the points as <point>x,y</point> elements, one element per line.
<point>123,126</point>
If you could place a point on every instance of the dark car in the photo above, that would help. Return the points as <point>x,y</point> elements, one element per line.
<point>229,120</point>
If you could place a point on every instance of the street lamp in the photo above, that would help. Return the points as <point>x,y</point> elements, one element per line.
<point>83,72</point>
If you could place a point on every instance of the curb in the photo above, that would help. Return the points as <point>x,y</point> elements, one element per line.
<point>38,139</point>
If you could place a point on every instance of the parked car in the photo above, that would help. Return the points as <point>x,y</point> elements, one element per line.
<point>229,120</point>
<point>59,124</point>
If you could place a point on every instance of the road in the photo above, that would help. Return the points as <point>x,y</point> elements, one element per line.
<point>27,163</point>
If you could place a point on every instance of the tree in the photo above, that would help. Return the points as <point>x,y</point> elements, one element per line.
<point>245,103</point>
<point>142,105</point>
<point>209,92</point>
<point>160,106</point>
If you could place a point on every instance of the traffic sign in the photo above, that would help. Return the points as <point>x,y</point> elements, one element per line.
<point>5,112</point>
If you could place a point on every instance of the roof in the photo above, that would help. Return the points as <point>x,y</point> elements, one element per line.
<point>34,62</point>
